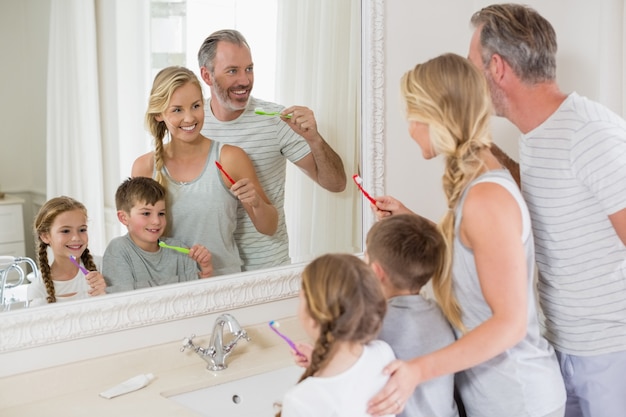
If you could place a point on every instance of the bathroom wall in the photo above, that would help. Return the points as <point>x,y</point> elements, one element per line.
<point>23,27</point>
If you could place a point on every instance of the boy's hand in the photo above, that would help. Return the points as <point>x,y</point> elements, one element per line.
<point>203,258</point>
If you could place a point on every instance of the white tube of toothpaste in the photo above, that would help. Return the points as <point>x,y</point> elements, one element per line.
<point>130,385</point>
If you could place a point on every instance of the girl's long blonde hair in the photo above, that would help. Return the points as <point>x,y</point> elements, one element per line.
<point>450,95</point>
<point>345,299</point>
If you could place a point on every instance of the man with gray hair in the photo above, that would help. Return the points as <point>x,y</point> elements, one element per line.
<point>226,67</point>
<point>573,171</point>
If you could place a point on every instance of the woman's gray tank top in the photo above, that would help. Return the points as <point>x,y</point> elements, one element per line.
<point>204,211</point>
<point>525,380</point>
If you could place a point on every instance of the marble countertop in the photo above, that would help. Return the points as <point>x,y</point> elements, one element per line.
<point>73,389</point>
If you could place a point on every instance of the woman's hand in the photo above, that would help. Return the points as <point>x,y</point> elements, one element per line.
<point>388,206</point>
<point>96,282</point>
<point>246,192</point>
<point>394,395</point>
<point>203,258</point>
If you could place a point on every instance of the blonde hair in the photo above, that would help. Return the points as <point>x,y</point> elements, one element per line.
<point>43,223</point>
<point>450,95</point>
<point>167,81</point>
<point>345,299</point>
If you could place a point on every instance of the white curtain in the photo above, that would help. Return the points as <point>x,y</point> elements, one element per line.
<point>74,155</point>
<point>318,66</point>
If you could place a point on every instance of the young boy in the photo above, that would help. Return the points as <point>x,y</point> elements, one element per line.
<point>136,260</point>
<point>405,251</point>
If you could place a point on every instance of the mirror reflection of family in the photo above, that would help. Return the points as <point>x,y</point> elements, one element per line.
<point>217,186</point>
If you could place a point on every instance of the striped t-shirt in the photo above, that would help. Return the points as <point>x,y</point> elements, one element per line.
<point>573,171</point>
<point>268,141</point>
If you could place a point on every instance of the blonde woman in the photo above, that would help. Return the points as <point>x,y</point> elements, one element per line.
<point>485,288</point>
<point>203,199</point>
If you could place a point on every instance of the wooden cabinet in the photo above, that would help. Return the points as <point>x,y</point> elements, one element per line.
<point>12,226</point>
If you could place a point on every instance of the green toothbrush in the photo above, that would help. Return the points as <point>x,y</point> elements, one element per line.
<point>176,248</point>
<point>262,112</point>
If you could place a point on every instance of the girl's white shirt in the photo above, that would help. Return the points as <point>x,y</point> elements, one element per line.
<point>37,293</point>
<point>345,394</point>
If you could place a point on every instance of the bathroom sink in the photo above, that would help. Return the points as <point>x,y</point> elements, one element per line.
<point>15,297</point>
<point>252,396</point>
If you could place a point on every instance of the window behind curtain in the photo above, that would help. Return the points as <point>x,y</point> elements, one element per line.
<point>178,28</point>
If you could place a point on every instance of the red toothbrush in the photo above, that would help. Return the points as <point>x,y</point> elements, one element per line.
<point>232,181</point>
<point>359,181</point>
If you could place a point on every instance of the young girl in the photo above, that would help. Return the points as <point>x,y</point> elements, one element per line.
<point>61,224</point>
<point>342,308</point>
<point>203,199</point>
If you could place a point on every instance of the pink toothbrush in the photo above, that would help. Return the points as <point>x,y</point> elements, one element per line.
<point>82,268</point>
<point>273,325</point>
<point>359,183</point>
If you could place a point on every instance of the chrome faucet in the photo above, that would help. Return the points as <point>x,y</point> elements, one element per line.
<point>215,355</point>
<point>8,263</point>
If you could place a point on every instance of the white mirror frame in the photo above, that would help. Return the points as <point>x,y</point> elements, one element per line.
<point>29,328</point>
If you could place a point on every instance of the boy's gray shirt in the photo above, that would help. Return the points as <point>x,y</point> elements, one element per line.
<point>415,326</point>
<point>127,267</point>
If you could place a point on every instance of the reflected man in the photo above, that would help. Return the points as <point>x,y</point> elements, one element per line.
<point>226,66</point>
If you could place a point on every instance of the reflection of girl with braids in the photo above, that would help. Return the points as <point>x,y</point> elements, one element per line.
<point>61,224</point>
<point>342,307</point>
<point>203,201</point>
<point>485,289</point>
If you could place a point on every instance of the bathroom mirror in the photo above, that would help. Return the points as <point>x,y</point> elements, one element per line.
<point>29,328</point>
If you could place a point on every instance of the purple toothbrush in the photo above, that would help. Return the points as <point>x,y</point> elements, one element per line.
<point>273,325</point>
<point>82,268</point>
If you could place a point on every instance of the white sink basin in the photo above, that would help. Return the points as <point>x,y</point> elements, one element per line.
<point>15,297</point>
<point>253,396</point>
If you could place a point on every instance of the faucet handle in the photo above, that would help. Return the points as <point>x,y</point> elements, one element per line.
<point>241,334</point>
<point>244,334</point>
<point>188,343</point>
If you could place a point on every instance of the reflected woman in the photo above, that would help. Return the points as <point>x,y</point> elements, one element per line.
<point>203,200</point>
